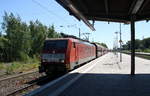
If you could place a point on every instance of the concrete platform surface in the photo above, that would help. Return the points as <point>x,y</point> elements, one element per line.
<point>105,76</point>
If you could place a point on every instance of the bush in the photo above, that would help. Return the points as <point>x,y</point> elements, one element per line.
<point>11,69</point>
<point>19,67</point>
<point>138,50</point>
<point>147,50</point>
<point>24,57</point>
<point>2,66</point>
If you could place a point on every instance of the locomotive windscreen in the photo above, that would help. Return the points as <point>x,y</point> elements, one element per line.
<point>56,44</point>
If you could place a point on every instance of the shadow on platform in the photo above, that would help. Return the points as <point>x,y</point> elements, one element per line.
<point>109,85</point>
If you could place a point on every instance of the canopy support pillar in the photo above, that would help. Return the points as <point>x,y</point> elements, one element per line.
<point>133,45</point>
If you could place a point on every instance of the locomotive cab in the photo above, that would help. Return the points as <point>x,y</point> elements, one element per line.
<point>53,56</point>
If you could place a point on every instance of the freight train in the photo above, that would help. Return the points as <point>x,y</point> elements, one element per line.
<point>61,55</point>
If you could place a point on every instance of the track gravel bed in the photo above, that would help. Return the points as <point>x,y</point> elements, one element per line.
<point>10,84</point>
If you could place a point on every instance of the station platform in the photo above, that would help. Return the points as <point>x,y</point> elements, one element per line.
<point>105,76</point>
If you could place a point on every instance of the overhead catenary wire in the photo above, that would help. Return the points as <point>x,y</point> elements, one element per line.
<point>49,11</point>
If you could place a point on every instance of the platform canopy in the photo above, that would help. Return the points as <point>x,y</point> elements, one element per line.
<point>124,11</point>
<point>107,10</point>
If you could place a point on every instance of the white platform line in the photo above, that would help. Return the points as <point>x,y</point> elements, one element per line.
<point>61,89</point>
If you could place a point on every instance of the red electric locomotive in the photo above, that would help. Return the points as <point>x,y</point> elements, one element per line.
<point>64,54</point>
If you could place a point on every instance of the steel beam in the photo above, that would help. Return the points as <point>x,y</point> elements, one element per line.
<point>144,4</point>
<point>69,4</point>
<point>132,45</point>
<point>135,7</point>
<point>106,6</point>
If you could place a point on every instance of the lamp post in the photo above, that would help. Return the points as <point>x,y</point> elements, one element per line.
<point>116,43</point>
<point>120,41</point>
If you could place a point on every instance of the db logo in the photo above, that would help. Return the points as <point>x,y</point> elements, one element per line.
<point>53,52</point>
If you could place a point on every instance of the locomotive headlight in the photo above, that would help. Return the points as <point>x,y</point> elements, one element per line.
<point>44,60</point>
<point>62,61</point>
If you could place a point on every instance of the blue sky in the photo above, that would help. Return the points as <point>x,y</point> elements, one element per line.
<point>52,13</point>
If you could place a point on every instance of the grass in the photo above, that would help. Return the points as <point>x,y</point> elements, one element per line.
<point>141,56</point>
<point>2,66</point>
<point>147,50</point>
<point>19,67</point>
<point>144,56</point>
<point>138,50</point>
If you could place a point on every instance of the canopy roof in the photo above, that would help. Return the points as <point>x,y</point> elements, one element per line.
<point>107,10</point>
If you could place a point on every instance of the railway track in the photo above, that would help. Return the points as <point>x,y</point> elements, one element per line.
<point>17,82</point>
<point>28,88</point>
<point>18,75</point>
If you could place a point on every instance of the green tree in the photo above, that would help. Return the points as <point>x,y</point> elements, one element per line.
<point>146,43</point>
<point>52,33</point>
<point>38,34</point>
<point>137,44</point>
<point>0,33</point>
<point>18,36</point>
<point>104,45</point>
<point>22,40</point>
<point>127,46</point>
<point>3,49</point>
